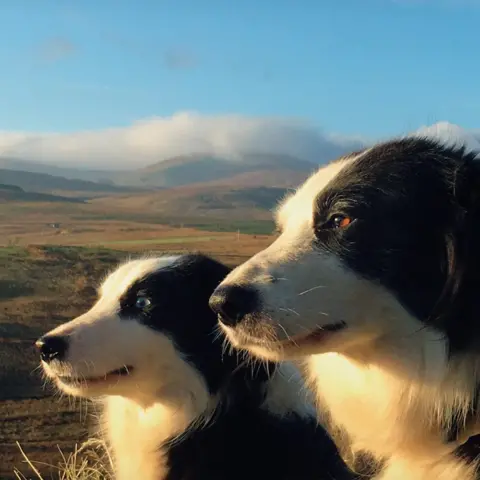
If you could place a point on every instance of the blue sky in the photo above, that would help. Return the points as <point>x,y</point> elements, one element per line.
<point>368,67</point>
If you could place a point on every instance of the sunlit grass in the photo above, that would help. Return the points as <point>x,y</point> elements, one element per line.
<point>89,461</point>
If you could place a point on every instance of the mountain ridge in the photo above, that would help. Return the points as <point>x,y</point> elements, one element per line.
<point>172,172</point>
<point>201,169</point>
<point>45,183</point>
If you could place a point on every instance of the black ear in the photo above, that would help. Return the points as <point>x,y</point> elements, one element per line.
<point>461,300</point>
<point>467,185</point>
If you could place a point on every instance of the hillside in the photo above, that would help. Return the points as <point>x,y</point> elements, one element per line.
<point>197,168</point>
<point>102,176</point>
<point>45,183</point>
<point>14,193</point>
<point>260,178</point>
<point>200,202</point>
<point>245,170</point>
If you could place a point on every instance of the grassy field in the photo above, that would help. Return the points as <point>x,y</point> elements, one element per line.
<point>96,223</point>
<point>47,276</point>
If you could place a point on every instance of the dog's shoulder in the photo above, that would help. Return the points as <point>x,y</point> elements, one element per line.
<point>256,444</point>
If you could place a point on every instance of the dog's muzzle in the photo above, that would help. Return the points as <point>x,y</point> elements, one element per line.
<point>233,303</point>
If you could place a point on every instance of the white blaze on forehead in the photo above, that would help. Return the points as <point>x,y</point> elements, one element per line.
<point>296,210</point>
<point>120,280</point>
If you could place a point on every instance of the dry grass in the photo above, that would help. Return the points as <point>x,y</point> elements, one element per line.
<point>26,225</point>
<point>159,211</point>
<point>89,461</point>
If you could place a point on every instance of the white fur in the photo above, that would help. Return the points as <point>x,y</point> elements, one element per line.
<point>163,394</point>
<point>386,378</point>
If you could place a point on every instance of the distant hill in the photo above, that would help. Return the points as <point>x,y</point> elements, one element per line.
<point>197,168</point>
<point>194,186</point>
<point>15,193</point>
<point>102,176</point>
<point>260,178</point>
<point>247,169</point>
<point>255,198</point>
<point>244,170</point>
<point>202,201</point>
<point>42,182</point>
<point>10,188</point>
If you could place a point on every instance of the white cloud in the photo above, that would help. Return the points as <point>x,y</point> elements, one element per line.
<point>180,59</point>
<point>159,138</point>
<point>155,139</point>
<point>55,49</point>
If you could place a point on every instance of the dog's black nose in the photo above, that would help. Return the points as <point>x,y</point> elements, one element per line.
<point>52,347</point>
<point>233,303</point>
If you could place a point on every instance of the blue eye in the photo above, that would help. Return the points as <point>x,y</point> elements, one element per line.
<point>142,302</point>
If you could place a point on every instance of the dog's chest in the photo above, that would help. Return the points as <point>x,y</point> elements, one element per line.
<point>135,436</point>
<point>361,400</point>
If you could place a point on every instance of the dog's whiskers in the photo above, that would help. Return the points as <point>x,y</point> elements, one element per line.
<point>286,334</point>
<point>290,310</point>
<point>311,290</point>
<point>38,367</point>
<point>303,327</point>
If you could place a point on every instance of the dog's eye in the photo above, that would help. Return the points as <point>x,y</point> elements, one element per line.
<point>142,302</point>
<point>338,221</point>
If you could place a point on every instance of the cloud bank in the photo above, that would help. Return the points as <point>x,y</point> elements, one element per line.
<point>156,139</point>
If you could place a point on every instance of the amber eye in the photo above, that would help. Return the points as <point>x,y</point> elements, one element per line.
<point>340,221</point>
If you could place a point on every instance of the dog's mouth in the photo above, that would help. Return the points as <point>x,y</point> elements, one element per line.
<point>316,337</point>
<point>111,375</point>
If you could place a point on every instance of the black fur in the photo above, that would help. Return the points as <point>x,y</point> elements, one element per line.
<point>244,441</point>
<point>470,450</point>
<point>179,307</point>
<point>421,241</point>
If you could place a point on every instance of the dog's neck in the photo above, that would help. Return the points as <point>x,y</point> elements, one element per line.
<point>136,431</point>
<point>141,431</point>
<point>387,408</point>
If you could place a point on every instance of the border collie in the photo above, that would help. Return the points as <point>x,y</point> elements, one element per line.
<point>176,405</point>
<point>374,281</point>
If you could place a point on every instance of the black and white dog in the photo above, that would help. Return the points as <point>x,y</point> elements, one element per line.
<point>176,406</point>
<point>374,281</point>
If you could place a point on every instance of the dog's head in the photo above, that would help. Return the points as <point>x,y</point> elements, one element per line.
<point>379,244</point>
<point>149,335</point>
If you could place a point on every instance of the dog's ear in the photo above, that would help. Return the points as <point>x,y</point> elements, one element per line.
<point>462,291</point>
<point>467,186</point>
